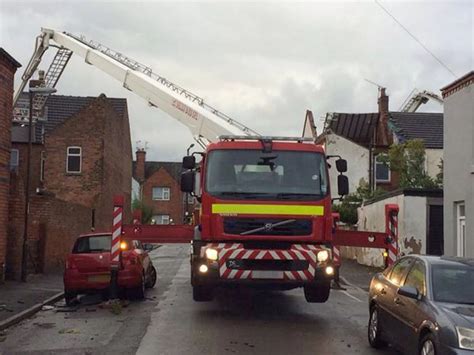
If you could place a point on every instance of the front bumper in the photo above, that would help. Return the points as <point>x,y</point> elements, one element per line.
<point>295,266</point>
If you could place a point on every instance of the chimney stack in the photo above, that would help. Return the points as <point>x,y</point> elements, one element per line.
<point>384,137</point>
<point>140,166</point>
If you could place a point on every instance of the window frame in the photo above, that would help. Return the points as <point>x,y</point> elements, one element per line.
<point>403,275</point>
<point>162,197</point>
<point>14,167</point>
<point>460,228</point>
<point>425,274</point>
<point>73,155</point>
<point>162,215</point>
<point>376,164</point>
<point>42,164</point>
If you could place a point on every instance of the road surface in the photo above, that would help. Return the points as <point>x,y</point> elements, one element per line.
<point>169,322</point>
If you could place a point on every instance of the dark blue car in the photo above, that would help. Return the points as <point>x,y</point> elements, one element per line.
<point>424,305</point>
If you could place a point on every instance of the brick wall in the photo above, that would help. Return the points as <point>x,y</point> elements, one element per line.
<point>175,206</point>
<point>7,71</point>
<point>104,137</point>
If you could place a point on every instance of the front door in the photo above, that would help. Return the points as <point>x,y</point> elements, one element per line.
<point>435,231</point>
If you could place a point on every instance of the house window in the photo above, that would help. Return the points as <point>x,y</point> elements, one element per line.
<point>42,162</point>
<point>14,159</point>
<point>74,160</point>
<point>161,219</point>
<point>461,228</point>
<point>382,170</point>
<point>161,193</point>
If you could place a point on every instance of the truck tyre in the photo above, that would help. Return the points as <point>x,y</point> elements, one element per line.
<point>70,298</point>
<point>317,293</point>
<point>202,294</point>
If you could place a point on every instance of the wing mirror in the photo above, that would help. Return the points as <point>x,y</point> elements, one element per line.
<point>187,181</point>
<point>342,185</point>
<point>341,165</point>
<point>189,162</point>
<point>410,292</point>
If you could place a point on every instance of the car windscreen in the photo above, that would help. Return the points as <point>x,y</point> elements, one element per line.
<point>253,174</point>
<point>92,244</point>
<point>453,283</point>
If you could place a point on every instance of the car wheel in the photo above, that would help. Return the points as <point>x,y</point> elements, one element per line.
<point>70,298</point>
<point>317,293</point>
<point>202,294</point>
<point>374,329</point>
<point>427,345</point>
<point>151,278</point>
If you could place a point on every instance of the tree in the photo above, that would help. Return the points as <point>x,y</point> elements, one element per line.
<point>347,208</point>
<point>408,160</point>
<point>147,211</point>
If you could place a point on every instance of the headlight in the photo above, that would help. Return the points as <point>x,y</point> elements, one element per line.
<point>466,338</point>
<point>323,255</point>
<point>211,254</point>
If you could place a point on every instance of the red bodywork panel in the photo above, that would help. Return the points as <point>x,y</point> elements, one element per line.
<point>213,226</point>
<point>91,271</point>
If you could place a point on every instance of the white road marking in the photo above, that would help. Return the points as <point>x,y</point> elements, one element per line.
<point>351,296</point>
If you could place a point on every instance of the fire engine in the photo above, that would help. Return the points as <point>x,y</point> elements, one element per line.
<point>265,202</point>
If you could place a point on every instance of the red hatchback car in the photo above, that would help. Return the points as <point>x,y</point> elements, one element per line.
<point>88,267</point>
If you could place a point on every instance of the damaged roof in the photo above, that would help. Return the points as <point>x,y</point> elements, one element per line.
<point>427,126</point>
<point>357,127</point>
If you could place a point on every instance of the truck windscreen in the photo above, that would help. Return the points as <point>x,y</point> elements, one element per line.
<point>253,174</point>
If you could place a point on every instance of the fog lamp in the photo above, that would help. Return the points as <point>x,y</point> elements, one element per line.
<point>203,269</point>
<point>385,254</point>
<point>123,245</point>
<point>323,255</point>
<point>329,270</point>
<point>211,254</point>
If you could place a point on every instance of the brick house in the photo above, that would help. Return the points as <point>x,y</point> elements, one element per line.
<point>160,189</point>
<point>8,67</point>
<point>81,158</point>
<point>362,138</point>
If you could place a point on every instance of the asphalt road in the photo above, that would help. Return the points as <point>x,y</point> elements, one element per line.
<point>169,322</point>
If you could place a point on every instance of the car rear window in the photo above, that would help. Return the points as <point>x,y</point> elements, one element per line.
<point>453,283</point>
<point>93,244</point>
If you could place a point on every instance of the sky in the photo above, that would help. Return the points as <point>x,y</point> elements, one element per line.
<point>262,63</point>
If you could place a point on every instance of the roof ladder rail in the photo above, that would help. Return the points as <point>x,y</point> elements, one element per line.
<point>53,74</point>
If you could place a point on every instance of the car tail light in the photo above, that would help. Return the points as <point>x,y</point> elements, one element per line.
<point>133,260</point>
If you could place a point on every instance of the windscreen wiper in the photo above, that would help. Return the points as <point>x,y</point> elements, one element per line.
<point>289,195</point>
<point>268,227</point>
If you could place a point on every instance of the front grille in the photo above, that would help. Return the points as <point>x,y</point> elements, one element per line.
<point>278,265</point>
<point>242,225</point>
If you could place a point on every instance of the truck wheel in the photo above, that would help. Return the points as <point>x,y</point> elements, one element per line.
<point>70,298</point>
<point>317,293</point>
<point>202,294</point>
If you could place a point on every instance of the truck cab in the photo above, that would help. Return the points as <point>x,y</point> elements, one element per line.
<point>265,216</point>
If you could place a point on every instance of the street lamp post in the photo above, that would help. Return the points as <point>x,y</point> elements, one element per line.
<point>186,212</point>
<point>24,257</point>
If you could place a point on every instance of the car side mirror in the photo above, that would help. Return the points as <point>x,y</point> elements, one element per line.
<point>409,291</point>
<point>189,162</point>
<point>342,185</point>
<point>147,247</point>
<point>187,181</point>
<point>341,165</point>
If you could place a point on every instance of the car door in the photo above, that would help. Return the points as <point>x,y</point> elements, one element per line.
<point>395,279</point>
<point>410,312</point>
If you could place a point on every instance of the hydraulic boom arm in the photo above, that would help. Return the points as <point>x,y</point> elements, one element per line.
<point>205,123</point>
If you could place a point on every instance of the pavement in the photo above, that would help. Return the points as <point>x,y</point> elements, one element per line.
<point>21,298</point>
<point>241,321</point>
